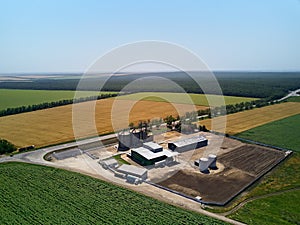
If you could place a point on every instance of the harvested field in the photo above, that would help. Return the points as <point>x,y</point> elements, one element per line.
<point>52,126</point>
<point>239,122</point>
<point>242,166</point>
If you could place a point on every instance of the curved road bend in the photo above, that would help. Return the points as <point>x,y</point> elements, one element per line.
<point>292,93</point>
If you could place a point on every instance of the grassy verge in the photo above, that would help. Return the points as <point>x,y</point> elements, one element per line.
<point>282,133</point>
<point>32,194</point>
<point>294,99</point>
<point>279,209</point>
<point>120,160</point>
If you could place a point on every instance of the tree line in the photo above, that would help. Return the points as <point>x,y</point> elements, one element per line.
<point>6,147</point>
<point>272,85</point>
<point>46,105</point>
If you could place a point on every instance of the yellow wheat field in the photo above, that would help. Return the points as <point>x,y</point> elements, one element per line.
<point>239,122</point>
<point>52,126</point>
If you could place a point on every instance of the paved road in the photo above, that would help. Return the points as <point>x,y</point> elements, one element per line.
<point>292,93</point>
<point>37,156</point>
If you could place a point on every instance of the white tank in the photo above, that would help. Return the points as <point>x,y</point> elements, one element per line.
<point>212,159</point>
<point>203,164</point>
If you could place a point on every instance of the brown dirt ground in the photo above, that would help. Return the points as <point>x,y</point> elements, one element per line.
<point>239,122</point>
<point>240,166</point>
<point>52,126</point>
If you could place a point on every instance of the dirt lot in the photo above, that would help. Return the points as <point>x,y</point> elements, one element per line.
<point>52,126</point>
<point>239,122</point>
<point>251,159</point>
<point>237,167</point>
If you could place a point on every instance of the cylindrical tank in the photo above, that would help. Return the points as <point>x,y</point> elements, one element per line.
<point>203,164</point>
<point>124,141</point>
<point>135,138</point>
<point>212,159</point>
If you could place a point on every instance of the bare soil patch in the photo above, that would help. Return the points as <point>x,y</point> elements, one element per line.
<point>240,167</point>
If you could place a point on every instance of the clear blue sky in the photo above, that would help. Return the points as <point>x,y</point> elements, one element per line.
<point>68,35</point>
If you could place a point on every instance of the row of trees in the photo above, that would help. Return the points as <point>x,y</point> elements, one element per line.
<point>46,105</point>
<point>234,108</point>
<point>187,123</point>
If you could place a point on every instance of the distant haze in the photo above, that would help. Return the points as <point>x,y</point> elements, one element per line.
<point>68,36</point>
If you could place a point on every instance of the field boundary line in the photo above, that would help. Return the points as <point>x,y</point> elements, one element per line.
<point>244,202</point>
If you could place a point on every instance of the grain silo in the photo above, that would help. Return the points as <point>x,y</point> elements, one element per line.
<point>124,140</point>
<point>203,164</point>
<point>136,139</point>
<point>212,159</point>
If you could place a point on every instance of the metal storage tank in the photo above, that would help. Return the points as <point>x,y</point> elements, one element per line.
<point>124,140</point>
<point>212,161</point>
<point>203,164</point>
<point>135,139</point>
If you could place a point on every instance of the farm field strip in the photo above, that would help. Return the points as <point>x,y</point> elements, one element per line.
<point>242,121</point>
<point>184,98</point>
<point>278,129</point>
<point>271,210</point>
<point>12,98</point>
<point>53,126</point>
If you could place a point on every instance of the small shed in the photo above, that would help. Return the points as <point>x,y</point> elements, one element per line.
<point>109,163</point>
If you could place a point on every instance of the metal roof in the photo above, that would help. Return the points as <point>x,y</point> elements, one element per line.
<point>67,153</point>
<point>152,145</point>
<point>133,170</point>
<point>148,154</point>
<point>189,141</point>
<point>110,161</point>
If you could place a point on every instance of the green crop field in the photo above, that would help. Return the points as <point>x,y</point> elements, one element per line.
<point>284,207</point>
<point>294,99</point>
<point>11,98</point>
<point>280,209</point>
<point>197,99</point>
<point>32,194</point>
<point>283,133</point>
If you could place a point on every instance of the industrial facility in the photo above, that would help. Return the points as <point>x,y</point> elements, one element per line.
<point>188,144</point>
<point>133,172</point>
<point>205,164</point>
<point>145,157</point>
<point>133,138</point>
<point>61,155</point>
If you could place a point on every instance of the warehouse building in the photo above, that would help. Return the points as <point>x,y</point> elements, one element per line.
<point>133,171</point>
<point>188,144</point>
<point>146,157</point>
<point>65,154</point>
<point>109,163</point>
